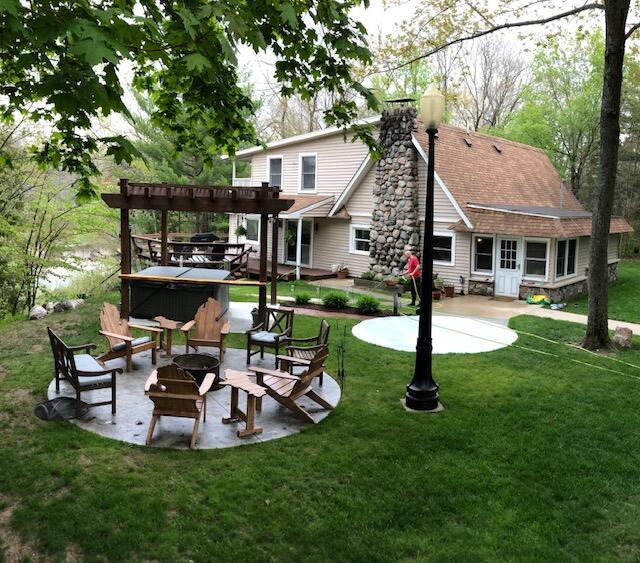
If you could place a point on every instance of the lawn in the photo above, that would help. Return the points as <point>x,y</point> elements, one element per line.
<point>536,457</point>
<point>624,295</point>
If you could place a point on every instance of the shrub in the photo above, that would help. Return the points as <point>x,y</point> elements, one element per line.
<point>367,305</point>
<point>335,300</point>
<point>368,276</point>
<point>302,298</point>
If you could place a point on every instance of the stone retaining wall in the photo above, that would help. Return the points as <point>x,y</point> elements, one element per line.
<point>480,287</point>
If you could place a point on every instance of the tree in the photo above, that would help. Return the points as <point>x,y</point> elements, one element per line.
<point>452,23</point>
<point>60,60</point>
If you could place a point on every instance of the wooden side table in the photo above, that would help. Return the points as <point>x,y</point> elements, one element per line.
<point>168,326</point>
<point>239,380</point>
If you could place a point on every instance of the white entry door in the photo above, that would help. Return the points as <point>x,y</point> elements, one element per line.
<point>508,267</point>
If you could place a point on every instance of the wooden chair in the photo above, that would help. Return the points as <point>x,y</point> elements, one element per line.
<point>117,331</point>
<point>274,333</point>
<point>210,327</point>
<point>174,392</point>
<point>310,345</point>
<point>82,371</point>
<point>286,388</point>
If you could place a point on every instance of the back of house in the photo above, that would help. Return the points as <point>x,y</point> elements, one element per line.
<point>504,222</point>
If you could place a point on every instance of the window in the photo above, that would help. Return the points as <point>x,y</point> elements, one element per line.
<point>443,248</point>
<point>360,240</point>
<point>566,257</point>
<point>483,257</point>
<point>308,173</point>
<point>275,171</point>
<point>252,224</point>
<point>535,260</point>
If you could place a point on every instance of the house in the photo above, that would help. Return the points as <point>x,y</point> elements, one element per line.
<point>504,222</point>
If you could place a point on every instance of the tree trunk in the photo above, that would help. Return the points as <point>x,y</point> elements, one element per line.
<point>597,335</point>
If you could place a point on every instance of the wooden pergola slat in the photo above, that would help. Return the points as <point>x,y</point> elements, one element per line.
<point>165,197</point>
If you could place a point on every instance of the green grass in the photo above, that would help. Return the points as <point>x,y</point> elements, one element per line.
<point>536,457</point>
<point>624,295</point>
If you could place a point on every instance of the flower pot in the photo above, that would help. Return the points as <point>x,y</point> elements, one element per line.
<point>391,282</point>
<point>448,290</point>
<point>342,274</point>
<point>435,295</point>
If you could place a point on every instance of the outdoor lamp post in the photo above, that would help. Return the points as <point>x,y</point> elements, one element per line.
<point>422,392</point>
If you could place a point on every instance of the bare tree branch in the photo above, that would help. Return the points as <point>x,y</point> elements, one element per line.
<point>633,29</point>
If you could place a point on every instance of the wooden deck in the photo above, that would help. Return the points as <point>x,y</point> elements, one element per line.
<point>287,272</point>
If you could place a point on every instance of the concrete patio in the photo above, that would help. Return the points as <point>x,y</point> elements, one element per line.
<point>131,421</point>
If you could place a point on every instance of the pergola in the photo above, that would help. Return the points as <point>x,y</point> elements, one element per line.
<point>263,200</point>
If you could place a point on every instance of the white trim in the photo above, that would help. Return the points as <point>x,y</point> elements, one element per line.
<point>519,265</point>
<point>304,137</point>
<point>442,185</point>
<point>473,255</point>
<point>301,212</point>
<point>252,216</point>
<point>527,213</point>
<point>452,236</point>
<point>361,215</point>
<point>315,181</point>
<point>355,181</point>
<point>566,259</point>
<point>284,244</point>
<point>271,157</point>
<point>352,240</point>
<point>524,258</point>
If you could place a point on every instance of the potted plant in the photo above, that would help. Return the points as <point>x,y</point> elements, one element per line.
<point>449,289</point>
<point>241,231</point>
<point>436,294</point>
<point>391,281</point>
<point>342,271</point>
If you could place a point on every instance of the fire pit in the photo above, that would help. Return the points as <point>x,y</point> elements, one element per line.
<point>199,365</point>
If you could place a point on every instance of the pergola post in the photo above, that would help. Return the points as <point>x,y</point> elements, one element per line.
<point>299,248</point>
<point>264,230</point>
<point>164,238</point>
<point>125,252</point>
<point>274,260</point>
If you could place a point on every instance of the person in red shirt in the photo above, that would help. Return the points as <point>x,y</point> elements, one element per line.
<point>413,271</point>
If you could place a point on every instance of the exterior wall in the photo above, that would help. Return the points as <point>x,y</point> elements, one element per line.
<point>337,161</point>
<point>443,209</point>
<point>361,201</point>
<point>331,246</point>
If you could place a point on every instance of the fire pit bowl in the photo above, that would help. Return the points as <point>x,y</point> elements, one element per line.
<point>199,365</point>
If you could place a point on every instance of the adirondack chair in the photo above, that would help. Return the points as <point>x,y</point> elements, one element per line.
<point>286,388</point>
<point>117,331</point>
<point>174,392</point>
<point>210,328</point>
<point>274,333</point>
<point>82,371</point>
<point>306,348</point>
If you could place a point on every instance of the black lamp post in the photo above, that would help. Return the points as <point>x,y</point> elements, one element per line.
<point>422,392</point>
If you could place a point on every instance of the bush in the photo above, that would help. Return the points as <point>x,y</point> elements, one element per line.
<point>335,300</point>
<point>367,305</point>
<point>302,298</point>
<point>368,276</point>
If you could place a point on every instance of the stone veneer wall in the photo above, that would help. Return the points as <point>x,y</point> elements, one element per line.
<point>394,222</point>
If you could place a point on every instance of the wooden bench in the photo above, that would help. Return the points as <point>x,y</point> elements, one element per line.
<point>240,380</point>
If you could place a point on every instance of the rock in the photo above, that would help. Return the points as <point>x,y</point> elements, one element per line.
<point>623,337</point>
<point>49,306</point>
<point>37,313</point>
<point>64,305</point>
<point>58,307</point>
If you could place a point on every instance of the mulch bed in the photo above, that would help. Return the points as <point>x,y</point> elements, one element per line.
<point>316,310</point>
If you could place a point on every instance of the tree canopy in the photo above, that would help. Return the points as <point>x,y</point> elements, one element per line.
<point>60,62</point>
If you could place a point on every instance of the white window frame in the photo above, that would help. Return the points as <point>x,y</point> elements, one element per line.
<point>275,157</point>
<point>315,183</point>
<point>452,236</point>
<point>352,238</point>
<point>473,255</point>
<point>566,276</point>
<point>252,217</point>
<point>524,259</point>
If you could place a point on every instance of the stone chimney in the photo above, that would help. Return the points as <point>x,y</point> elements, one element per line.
<point>394,223</point>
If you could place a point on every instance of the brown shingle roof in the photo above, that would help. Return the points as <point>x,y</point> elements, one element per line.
<point>518,174</point>
<point>517,224</point>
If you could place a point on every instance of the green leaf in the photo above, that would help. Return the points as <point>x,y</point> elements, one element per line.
<point>197,62</point>
<point>289,15</point>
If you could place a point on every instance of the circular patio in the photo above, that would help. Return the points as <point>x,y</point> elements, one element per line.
<point>131,421</point>
<point>451,334</point>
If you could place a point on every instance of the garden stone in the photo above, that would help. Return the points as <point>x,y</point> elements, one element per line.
<point>623,337</point>
<point>37,312</point>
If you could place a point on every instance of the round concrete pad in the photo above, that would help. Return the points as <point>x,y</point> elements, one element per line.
<point>450,334</point>
<point>131,421</point>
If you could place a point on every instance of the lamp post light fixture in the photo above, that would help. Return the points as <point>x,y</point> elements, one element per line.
<point>422,392</point>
